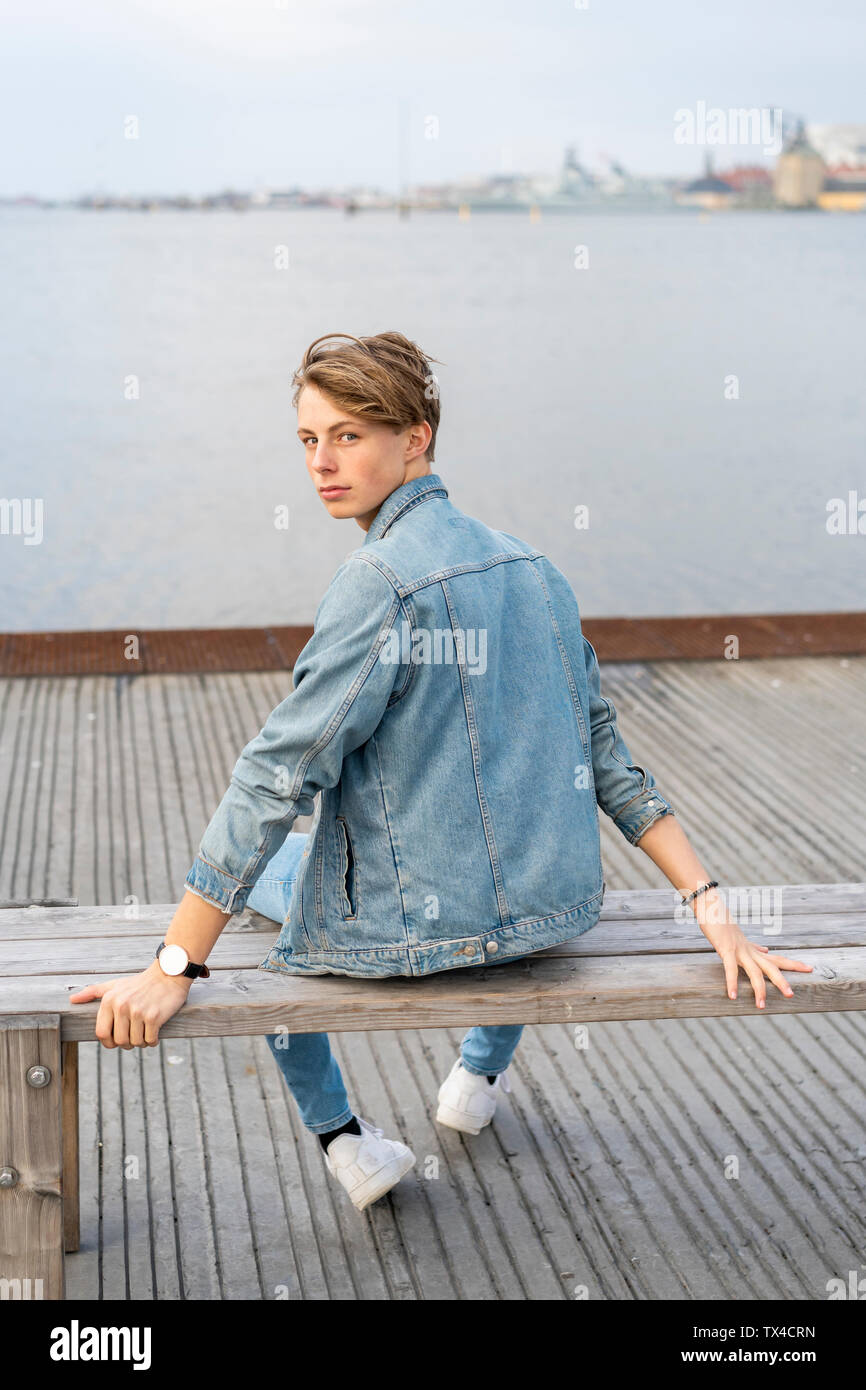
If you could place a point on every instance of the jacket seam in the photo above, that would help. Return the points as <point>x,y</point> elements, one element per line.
<point>476,568</point>
<point>620,760</point>
<point>298,896</point>
<point>382,566</point>
<point>200,893</point>
<point>585,734</point>
<point>327,734</point>
<point>469,712</point>
<point>423,493</point>
<point>224,872</point>
<point>394,854</point>
<point>436,576</point>
<point>636,797</point>
<point>408,506</point>
<point>406,607</point>
<point>337,719</point>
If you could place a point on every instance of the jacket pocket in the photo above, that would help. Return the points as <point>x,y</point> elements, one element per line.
<point>347,870</point>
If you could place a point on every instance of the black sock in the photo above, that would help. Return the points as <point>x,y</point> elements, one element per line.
<point>491,1079</point>
<point>350,1127</point>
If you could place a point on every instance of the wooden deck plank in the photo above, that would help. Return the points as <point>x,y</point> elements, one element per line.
<point>236,1254</point>
<point>159,1159</point>
<point>414,1064</point>
<point>198,1222</point>
<point>404,1218</point>
<point>393,1221</point>
<point>565,1112</point>
<point>611,1157</point>
<point>121,1240</point>
<point>298,1273</point>
<point>775,1152</point>
<point>337,1256</point>
<point>83,1268</point>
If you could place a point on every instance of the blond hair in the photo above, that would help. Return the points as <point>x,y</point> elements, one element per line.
<point>385,377</point>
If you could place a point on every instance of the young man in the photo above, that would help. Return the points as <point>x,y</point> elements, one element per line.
<point>447,711</point>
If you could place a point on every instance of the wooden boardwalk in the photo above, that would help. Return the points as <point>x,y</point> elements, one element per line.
<point>688,1159</point>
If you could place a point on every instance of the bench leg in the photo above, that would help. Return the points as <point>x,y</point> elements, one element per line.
<point>69,1186</point>
<point>31,1158</point>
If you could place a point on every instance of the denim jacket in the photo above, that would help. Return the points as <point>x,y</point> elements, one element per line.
<point>448,710</point>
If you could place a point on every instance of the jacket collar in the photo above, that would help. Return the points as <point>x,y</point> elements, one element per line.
<point>402,500</point>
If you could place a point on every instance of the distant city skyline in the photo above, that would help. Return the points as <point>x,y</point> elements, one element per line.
<point>222,95</point>
<point>573,180</point>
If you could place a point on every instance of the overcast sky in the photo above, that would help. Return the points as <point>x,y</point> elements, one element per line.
<point>253,94</point>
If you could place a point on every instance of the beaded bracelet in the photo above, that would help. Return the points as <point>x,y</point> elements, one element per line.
<point>703,888</point>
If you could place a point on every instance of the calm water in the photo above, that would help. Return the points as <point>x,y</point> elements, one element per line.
<point>560,387</point>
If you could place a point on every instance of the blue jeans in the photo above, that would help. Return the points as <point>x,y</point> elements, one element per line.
<point>305,1059</point>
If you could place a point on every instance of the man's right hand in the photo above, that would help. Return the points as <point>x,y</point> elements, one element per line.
<point>134,1007</point>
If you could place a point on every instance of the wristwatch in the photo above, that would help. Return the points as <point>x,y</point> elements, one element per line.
<point>174,960</point>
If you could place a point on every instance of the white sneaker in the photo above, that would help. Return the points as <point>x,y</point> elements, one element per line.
<point>468,1102</point>
<point>367,1164</point>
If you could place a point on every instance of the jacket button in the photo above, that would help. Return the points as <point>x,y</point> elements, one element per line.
<point>492,947</point>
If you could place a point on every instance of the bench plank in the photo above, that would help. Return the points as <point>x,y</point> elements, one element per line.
<point>541,990</point>
<point>35,923</point>
<point>123,955</point>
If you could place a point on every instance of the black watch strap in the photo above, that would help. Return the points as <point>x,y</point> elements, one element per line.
<point>194,972</point>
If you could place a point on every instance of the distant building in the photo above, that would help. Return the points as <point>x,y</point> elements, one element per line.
<point>284,197</point>
<point>752,185</point>
<point>839,145</point>
<point>844,189</point>
<point>843,149</point>
<point>745,177</point>
<point>709,192</point>
<point>799,174</point>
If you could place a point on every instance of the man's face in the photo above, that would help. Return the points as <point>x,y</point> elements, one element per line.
<point>366,460</point>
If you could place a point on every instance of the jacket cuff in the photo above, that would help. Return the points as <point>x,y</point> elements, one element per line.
<point>639,814</point>
<point>217,887</point>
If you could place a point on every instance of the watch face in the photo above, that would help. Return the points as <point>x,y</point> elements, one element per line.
<point>173,960</point>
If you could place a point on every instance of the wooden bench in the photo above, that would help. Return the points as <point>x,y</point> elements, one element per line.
<point>646,958</point>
